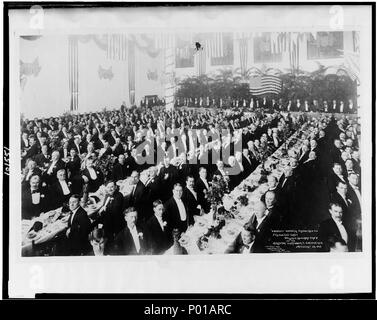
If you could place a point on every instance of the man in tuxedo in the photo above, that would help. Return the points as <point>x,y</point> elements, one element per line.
<point>60,191</point>
<point>335,176</point>
<point>92,176</point>
<point>341,197</point>
<point>129,241</point>
<point>137,198</point>
<point>248,163</point>
<point>202,188</point>
<point>119,169</point>
<point>246,242</point>
<point>274,213</point>
<point>336,227</point>
<point>111,212</point>
<point>31,170</point>
<point>158,238</point>
<point>33,149</point>
<point>34,199</point>
<point>220,169</point>
<point>261,222</point>
<point>354,194</point>
<point>42,159</point>
<point>55,164</point>
<point>168,176</point>
<point>177,213</point>
<point>335,151</point>
<point>79,228</point>
<point>190,197</point>
<point>73,164</point>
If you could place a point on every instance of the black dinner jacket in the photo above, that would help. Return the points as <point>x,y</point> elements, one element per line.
<point>157,240</point>
<point>41,159</point>
<point>137,200</point>
<point>332,181</point>
<point>199,188</point>
<point>237,246</point>
<point>74,166</point>
<point>119,171</point>
<point>50,179</point>
<point>173,218</point>
<point>56,197</point>
<point>328,228</point>
<point>355,207</point>
<point>112,217</point>
<point>30,210</point>
<point>93,185</point>
<point>78,237</point>
<point>189,199</point>
<point>124,243</point>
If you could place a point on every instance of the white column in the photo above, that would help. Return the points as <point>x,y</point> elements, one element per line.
<point>169,74</point>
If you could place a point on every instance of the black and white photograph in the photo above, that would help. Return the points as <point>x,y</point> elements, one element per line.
<point>178,135</point>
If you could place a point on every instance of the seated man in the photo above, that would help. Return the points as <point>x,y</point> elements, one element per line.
<point>334,227</point>
<point>130,240</point>
<point>158,237</point>
<point>79,227</point>
<point>60,191</point>
<point>177,213</point>
<point>33,200</point>
<point>245,242</point>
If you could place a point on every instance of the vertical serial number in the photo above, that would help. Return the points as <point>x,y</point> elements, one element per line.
<point>6,161</point>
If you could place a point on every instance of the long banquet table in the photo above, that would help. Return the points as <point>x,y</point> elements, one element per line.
<point>190,240</point>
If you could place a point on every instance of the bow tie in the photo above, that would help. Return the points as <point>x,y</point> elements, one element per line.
<point>34,191</point>
<point>247,246</point>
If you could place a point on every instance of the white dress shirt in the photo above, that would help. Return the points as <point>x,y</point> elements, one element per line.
<point>51,167</point>
<point>342,230</point>
<point>35,197</point>
<point>92,173</point>
<point>193,193</point>
<point>181,209</point>
<point>205,183</point>
<point>73,213</point>
<point>135,237</point>
<point>357,191</point>
<point>78,148</point>
<point>160,222</point>
<point>246,250</point>
<point>259,221</point>
<point>64,186</point>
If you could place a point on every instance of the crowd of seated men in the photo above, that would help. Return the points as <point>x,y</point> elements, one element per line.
<point>273,104</point>
<point>182,150</point>
<point>319,190</point>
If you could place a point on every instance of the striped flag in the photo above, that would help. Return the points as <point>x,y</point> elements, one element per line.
<point>265,84</point>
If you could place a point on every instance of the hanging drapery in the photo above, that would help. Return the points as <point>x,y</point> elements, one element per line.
<point>117,46</point>
<point>131,71</point>
<point>73,72</point>
<point>244,50</point>
<point>169,71</point>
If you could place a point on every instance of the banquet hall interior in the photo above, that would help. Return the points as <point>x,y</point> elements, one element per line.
<point>190,143</point>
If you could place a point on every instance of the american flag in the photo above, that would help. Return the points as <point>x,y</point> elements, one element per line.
<point>265,84</point>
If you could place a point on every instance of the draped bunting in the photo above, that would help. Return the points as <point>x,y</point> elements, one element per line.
<point>73,72</point>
